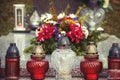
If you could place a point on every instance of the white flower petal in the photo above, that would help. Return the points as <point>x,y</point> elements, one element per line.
<point>72,16</point>
<point>85,31</point>
<point>61,15</point>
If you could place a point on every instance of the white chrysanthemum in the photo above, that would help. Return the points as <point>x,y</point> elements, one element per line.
<point>61,15</point>
<point>72,15</point>
<point>49,16</point>
<point>45,17</point>
<point>100,29</point>
<point>85,31</point>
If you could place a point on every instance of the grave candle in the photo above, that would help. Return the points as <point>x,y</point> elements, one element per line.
<point>114,62</point>
<point>12,60</point>
<point>91,65</point>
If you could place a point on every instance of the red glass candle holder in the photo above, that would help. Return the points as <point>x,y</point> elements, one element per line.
<point>114,62</point>
<point>37,67</point>
<point>91,67</point>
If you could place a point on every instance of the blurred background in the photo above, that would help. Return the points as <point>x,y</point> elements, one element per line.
<point>110,24</point>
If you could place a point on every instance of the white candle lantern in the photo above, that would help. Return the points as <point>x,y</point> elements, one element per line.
<point>19,17</point>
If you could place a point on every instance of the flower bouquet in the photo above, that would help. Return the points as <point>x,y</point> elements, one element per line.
<point>49,31</point>
<point>51,26</point>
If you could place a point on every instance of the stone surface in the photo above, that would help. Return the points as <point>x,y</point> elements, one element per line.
<point>52,78</point>
<point>104,46</point>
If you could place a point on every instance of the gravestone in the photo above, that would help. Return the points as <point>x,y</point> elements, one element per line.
<point>103,48</point>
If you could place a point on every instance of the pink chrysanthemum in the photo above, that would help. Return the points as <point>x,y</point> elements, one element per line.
<point>46,32</point>
<point>75,33</point>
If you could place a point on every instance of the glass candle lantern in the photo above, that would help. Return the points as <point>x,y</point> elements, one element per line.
<point>63,58</point>
<point>19,16</point>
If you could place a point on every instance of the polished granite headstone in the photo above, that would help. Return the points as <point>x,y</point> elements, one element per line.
<point>23,41</point>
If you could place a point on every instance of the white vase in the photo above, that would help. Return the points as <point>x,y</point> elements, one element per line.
<point>62,61</point>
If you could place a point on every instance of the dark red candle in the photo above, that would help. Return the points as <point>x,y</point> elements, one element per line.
<point>12,60</point>
<point>114,62</point>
